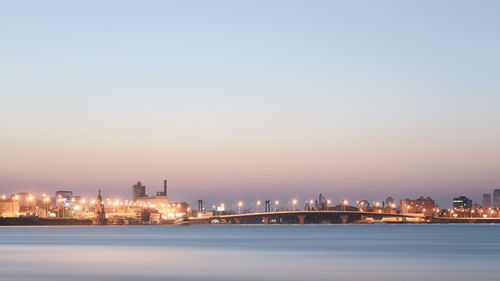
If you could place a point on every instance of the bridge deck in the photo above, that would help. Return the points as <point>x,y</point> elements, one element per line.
<point>317,212</point>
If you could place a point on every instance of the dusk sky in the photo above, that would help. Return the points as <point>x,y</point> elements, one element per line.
<point>250,100</point>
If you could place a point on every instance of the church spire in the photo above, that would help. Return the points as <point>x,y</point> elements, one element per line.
<point>99,214</point>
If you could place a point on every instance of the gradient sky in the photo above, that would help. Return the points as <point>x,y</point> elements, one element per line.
<point>251,99</point>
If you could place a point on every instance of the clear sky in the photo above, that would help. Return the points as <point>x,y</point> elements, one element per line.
<point>251,99</point>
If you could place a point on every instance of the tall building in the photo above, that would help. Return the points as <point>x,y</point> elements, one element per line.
<point>138,190</point>
<point>462,202</point>
<point>422,205</point>
<point>486,201</point>
<point>496,198</point>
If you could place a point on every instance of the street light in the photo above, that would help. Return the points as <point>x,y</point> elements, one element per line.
<point>276,205</point>
<point>344,203</point>
<point>239,207</point>
<point>258,204</point>
<point>293,204</point>
<point>310,204</point>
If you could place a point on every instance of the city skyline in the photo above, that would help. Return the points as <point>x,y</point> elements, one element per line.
<point>226,140</point>
<point>139,189</point>
<point>384,99</point>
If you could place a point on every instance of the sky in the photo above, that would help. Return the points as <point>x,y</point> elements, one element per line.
<point>247,100</point>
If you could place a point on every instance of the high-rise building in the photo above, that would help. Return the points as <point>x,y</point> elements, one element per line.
<point>422,205</point>
<point>496,198</point>
<point>486,201</point>
<point>462,202</point>
<point>138,191</point>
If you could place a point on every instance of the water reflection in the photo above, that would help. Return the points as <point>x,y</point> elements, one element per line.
<point>232,252</point>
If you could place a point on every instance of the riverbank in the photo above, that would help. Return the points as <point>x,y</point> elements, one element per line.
<point>42,221</point>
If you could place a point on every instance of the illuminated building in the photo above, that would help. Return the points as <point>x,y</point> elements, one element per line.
<point>64,193</point>
<point>486,201</point>
<point>496,198</point>
<point>8,207</point>
<point>26,201</point>
<point>424,206</point>
<point>462,202</point>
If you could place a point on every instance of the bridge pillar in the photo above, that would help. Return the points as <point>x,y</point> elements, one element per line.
<point>301,219</point>
<point>237,220</point>
<point>265,220</point>
<point>344,218</point>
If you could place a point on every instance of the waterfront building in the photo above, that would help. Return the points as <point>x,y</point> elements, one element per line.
<point>26,201</point>
<point>9,207</point>
<point>64,193</point>
<point>462,202</point>
<point>486,201</point>
<point>496,198</point>
<point>424,206</point>
<point>99,214</point>
<point>152,202</point>
<point>138,191</point>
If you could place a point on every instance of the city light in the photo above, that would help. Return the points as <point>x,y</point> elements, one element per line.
<point>116,207</point>
<point>344,204</point>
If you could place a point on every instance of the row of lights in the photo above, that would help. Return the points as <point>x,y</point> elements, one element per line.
<point>276,203</point>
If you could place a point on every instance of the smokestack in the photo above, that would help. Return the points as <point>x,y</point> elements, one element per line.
<point>165,187</point>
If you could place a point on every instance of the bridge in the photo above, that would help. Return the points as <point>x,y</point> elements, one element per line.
<point>305,217</point>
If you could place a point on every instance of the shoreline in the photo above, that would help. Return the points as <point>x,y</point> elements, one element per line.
<point>35,221</point>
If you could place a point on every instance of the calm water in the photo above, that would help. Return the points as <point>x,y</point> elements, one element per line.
<point>256,252</point>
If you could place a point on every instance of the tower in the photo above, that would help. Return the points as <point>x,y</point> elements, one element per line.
<point>99,214</point>
<point>200,206</point>
<point>138,191</point>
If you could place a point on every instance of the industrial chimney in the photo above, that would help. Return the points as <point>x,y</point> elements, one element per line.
<point>165,187</point>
